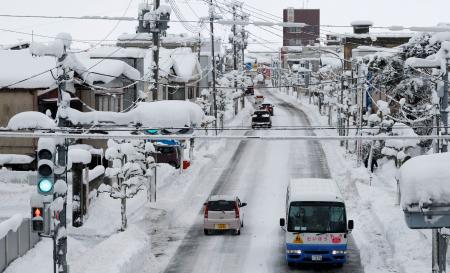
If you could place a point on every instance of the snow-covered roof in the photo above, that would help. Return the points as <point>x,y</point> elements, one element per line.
<point>375,35</point>
<point>361,23</point>
<point>117,52</point>
<point>18,65</point>
<point>314,189</point>
<point>424,179</point>
<point>162,114</point>
<point>104,70</point>
<point>183,61</point>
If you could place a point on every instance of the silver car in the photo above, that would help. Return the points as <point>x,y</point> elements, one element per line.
<point>223,212</point>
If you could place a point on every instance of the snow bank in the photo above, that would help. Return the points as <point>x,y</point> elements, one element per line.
<point>424,179</point>
<point>31,120</point>
<point>161,114</point>
<point>124,252</point>
<point>12,223</point>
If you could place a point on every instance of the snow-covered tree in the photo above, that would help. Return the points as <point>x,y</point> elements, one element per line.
<point>127,172</point>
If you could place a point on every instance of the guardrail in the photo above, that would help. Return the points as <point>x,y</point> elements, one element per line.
<point>16,239</point>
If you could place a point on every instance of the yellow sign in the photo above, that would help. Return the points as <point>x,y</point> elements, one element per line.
<point>298,239</point>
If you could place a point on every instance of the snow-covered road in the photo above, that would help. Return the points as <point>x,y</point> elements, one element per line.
<point>258,172</point>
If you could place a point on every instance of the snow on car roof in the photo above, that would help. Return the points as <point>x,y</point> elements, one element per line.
<point>221,197</point>
<point>314,189</point>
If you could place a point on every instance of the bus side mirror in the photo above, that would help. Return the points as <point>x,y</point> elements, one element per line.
<point>282,222</point>
<point>350,224</point>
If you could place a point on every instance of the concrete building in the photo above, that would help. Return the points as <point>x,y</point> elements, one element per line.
<point>295,36</point>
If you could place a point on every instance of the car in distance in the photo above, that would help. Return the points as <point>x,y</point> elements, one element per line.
<point>259,99</point>
<point>250,90</point>
<point>223,212</point>
<point>261,118</point>
<point>267,106</point>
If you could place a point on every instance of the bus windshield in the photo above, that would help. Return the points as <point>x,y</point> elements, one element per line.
<point>317,217</point>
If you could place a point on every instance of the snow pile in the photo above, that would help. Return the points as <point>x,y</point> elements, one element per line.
<point>127,251</point>
<point>31,120</point>
<point>96,172</point>
<point>15,159</point>
<point>162,114</point>
<point>424,179</point>
<point>12,223</point>
<point>79,156</point>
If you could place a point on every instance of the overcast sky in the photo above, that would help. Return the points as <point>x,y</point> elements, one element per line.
<point>333,12</point>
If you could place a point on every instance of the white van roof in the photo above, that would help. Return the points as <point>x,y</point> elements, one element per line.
<point>314,189</point>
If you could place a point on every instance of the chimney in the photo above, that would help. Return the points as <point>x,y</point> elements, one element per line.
<point>361,27</point>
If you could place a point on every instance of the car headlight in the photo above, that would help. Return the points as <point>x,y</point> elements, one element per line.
<point>293,251</point>
<point>339,252</point>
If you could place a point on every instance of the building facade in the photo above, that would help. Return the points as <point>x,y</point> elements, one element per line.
<point>296,36</point>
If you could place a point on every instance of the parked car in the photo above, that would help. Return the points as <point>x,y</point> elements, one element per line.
<point>259,99</point>
<point>250,90</point>
<point>261,118</point>
<point>167,151</point>
<point>223,212</point>
<point>267,106</point>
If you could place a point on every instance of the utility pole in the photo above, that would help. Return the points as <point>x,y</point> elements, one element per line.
<point>444,106</point>
<point>60,240</point>
<point>211,25</point>
<point>155,38</point>
<point>440,241</point>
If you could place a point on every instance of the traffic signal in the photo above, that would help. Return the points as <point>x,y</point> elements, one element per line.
<point>46,158</point>
<point>37,213</point>
<point>37,219</point>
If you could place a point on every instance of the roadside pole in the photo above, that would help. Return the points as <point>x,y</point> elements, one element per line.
<point>155,39</point>
<point>211,25</point>
<point>440,241</point>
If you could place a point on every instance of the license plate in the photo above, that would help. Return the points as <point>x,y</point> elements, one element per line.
<point>221,226</point>
<point>316,258</point>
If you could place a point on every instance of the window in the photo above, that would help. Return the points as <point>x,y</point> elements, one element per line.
<point>191,93</point>
<point>221,205</point>
<point>294,29</point>
<point>110,102</point>
<point>316,217</point>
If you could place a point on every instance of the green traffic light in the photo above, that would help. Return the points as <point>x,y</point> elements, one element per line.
<point>152,131</point>
<point>45,185</point>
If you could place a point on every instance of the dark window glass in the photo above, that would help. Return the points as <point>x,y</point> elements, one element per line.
<point>317,217</point>
<point>221,205</point>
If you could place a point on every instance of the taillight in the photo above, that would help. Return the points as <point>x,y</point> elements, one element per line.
<point>206,211</point>
<point>236,210</point>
